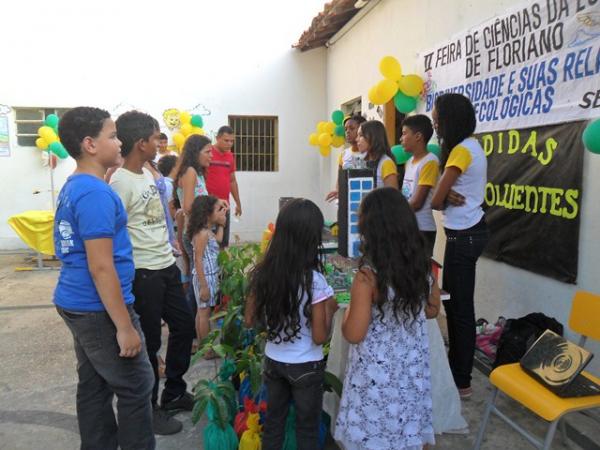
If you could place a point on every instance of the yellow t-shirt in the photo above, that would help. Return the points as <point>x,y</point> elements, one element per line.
<point>146,221</point>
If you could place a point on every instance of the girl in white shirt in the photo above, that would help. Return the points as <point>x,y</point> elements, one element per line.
<point>459,194</point>
<point>372,140</point>
<point>290,297</point>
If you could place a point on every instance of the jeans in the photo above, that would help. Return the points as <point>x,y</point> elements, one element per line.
<point>190,296</point>
<point>463,248</point>
<point>302,383</point>
<point>102,374</point>
<point>159,295</point>
<point>429,239</point>
<point>225,241</point>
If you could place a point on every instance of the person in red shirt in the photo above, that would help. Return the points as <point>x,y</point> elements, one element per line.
<point>220,177</point>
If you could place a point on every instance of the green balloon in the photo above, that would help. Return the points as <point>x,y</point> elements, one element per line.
<point>340,130</point>
<point>58,149</point>
<point>400,154</point>
<point>197,121</point>
<point>337,117</point>
<point>435,149</point>
<point>51,121</point>
<point>404,103</point>
<point>591,136</point>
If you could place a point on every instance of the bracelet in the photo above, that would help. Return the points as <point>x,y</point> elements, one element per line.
<point>185,278</point>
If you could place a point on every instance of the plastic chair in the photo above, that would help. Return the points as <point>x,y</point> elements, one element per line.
<point>521,387</point>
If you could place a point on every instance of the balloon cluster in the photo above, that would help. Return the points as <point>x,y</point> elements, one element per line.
<point>401,155</point>
<point>329,134</point>
<point>48,139</point>
<point>189,125</point>
<point>404,89</point>
<point>591,136</point>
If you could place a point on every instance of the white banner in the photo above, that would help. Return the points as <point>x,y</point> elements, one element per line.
<point>535,65</point>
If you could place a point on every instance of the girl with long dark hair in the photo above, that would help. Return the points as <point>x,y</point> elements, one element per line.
<point>459,194</point>
<point>205,231</point>
<point>190,183</point>
<point>372,140</point>
<point>386,402</point>
<point>290,297</point>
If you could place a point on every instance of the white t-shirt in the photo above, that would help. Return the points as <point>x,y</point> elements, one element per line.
<point>385,168</point>
<point>348,158</point>
<point>422,173</point>
<point>469,158</point>
<point>146,221</point>
<point>303,349</point>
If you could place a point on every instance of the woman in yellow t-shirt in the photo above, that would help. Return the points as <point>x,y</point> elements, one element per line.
<point>459,194</point>
<point>372,140</point>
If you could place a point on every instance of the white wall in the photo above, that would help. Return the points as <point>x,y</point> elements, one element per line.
<point>403,28</point>
<point>232,56</point>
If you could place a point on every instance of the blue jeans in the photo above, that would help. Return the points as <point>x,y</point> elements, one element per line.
<point>103,373</point>
<point>303,383</point>
<point>463,248</point>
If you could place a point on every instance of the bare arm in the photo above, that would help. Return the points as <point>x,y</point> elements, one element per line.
<point>391,181</point>
<point>199,243</point>
<point>432,308</point>
<point>358,315</point>
<point>418,198</point>
<point>334,194</point>
<point>188,184</point>
<point>102,268</point>
<point>236,194</point>
<point>219,233</point>
<point>444,187</point>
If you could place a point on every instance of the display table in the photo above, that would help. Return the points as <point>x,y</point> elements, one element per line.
<point>35,228</point>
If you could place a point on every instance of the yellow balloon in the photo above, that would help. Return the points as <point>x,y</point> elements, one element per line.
<point>41,143</point>
<point>321,127</point>
<point>390,68</point>
<point>325,139</point>
<point>178,139</point>
<point>325,150</point>
<point>185,117</point>
<point>387,89</point>
<point>329,127</point>
<point>186,129</point>
<point>313,139</point>
<point>197,130</point>
<point>374,96</point>
<point>338,141</point>
<point>411,85</point>
<point>48,134</point>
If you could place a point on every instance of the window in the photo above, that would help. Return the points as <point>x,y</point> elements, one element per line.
<point>28,120</point>
<point>256,143</point>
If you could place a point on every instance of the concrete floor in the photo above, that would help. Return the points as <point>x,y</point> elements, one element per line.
<point>38,379</point>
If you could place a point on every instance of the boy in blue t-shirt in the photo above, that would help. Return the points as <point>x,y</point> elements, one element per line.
<point>94,291</point>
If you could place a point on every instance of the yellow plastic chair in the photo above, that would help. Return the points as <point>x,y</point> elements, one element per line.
<point>521,387</point>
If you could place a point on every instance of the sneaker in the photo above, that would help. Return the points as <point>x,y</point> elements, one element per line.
<point>465,393</point>
<point>163,424</point>
<point>184,402</point>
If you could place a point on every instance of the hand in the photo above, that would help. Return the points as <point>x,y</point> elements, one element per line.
<point>455,199</point>
<point>129,342</point>
<point>204,294</point>
<point>238,210</point>
<point>331,196</point>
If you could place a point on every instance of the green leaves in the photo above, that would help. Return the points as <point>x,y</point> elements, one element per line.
<point>333,383</point>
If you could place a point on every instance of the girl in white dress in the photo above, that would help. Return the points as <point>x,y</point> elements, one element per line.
<point>386,402</point>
